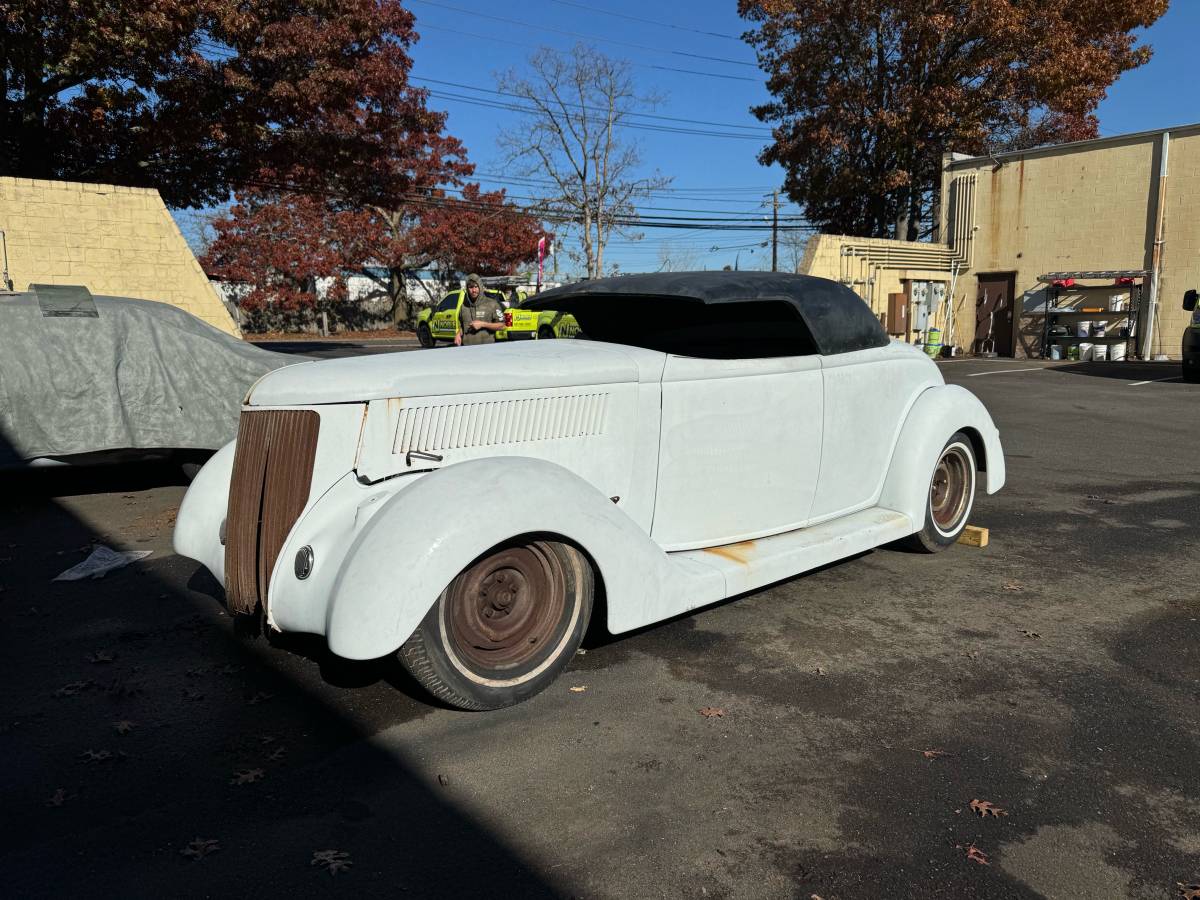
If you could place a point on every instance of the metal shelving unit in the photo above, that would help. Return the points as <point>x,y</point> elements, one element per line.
<point>1055,315</point>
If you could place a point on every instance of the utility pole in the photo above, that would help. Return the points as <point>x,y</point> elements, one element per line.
<point>775,231</point>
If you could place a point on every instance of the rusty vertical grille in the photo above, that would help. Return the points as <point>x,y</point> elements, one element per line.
<point>272,471</point>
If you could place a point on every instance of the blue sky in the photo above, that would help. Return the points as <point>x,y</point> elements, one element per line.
<point>465,42</point>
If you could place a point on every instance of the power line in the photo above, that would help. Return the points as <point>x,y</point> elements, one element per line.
<point>609,12</point>
<point>516,107</point>
<point>525,45</point>
<point>692,223</point>
<point>596,109</point>
<point>587,37</point>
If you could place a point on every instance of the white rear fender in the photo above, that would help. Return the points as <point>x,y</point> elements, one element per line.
<point>937,414</point>
<point>421,537</point>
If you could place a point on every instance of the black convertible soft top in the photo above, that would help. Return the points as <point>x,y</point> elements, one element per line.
<point>838,320</point>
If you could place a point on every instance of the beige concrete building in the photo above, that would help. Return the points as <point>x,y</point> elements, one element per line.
<point>1121,215</point>
<point>113,240</point>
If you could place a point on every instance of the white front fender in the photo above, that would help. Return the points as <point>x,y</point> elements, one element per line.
<point>421,537</point>
<point>198,523</point>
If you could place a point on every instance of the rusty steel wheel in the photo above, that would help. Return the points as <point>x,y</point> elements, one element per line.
<point>503,612</point>
<point>505,626</point>
<point>951,496</point>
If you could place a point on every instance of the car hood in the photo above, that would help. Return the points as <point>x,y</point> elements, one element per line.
<point>522,366</point>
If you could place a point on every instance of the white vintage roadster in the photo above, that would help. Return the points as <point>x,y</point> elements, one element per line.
<point>473,508</point>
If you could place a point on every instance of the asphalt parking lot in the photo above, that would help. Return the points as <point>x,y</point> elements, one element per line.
<point>1054,675</point>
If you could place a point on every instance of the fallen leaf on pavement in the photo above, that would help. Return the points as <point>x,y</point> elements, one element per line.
<point>332,861</point>
<point>1189,891</point>
<point>444,780</point>
<point>934,754</point>
<point>975,854</point>
<point>124,726</point>
<point>95,755</point>
<point>1030,634</point>
<point>193,696</point>
<point>821,671</point>
<point>246,776</point>
<point>73,688</point>
<point>985,809</point>
<point>260,697</point>
<point>59,798</point>
<point>579,689</point>
<point>100,656</point>
<point>712,712</point>
<point>1013,586</point>
<point>201,847</point>
<point>266,738</point>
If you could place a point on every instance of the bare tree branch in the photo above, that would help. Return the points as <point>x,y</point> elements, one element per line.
<point>572,137</point>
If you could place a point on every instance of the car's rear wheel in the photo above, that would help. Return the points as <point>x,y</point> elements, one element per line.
<point>505,627</point>
<point>951,496</point>
<point>546,333</point>
<point>425,336</point>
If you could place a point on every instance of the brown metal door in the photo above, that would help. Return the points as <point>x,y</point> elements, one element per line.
<point>994,315</point>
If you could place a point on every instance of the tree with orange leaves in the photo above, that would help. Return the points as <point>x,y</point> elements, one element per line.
<point>868,94</point>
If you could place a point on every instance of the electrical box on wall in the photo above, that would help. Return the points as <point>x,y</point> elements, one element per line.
<point>897,314</point>
<point>920,300</point>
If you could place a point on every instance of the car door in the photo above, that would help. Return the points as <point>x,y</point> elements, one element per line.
<point>739,450</point>
<point>868,393</point>
<point>445,317</point>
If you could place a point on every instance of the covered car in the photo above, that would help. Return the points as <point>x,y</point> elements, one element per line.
<point>723,431</point>
<point>88,378</point>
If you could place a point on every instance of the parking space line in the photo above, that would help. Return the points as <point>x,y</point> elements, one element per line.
<point>1004,371</point>
<point>1155,381</point>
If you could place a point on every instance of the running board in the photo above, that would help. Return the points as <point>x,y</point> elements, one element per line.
<point>751,564</point>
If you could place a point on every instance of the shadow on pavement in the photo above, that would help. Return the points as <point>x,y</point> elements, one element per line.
<point>1120,370</point>
<point>137,720</point>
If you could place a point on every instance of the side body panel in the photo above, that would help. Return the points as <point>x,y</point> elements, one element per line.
<point>740,449</point>
<point>868,395</point>
<point>590,429</point>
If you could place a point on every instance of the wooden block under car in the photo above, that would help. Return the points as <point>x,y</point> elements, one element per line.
<point>974,536</point>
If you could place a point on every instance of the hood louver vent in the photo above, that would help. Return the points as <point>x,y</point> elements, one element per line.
<point>485,424</point>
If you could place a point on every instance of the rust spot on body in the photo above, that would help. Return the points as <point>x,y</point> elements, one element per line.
<point>737,553</point>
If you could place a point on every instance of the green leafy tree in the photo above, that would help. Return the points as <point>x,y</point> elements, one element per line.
<point>868,94</point>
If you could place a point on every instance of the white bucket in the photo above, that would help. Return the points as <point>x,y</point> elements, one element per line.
<point>1083,329</point>
<point>1085,352</point>
<point>1100,353</point>
<point>1116,351</point>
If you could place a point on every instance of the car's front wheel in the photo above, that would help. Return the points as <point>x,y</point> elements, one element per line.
<point>425,336</point>
<point>951,496</point>
<point>505,627</point>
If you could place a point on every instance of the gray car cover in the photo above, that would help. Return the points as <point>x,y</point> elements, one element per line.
<point>81,374</point>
